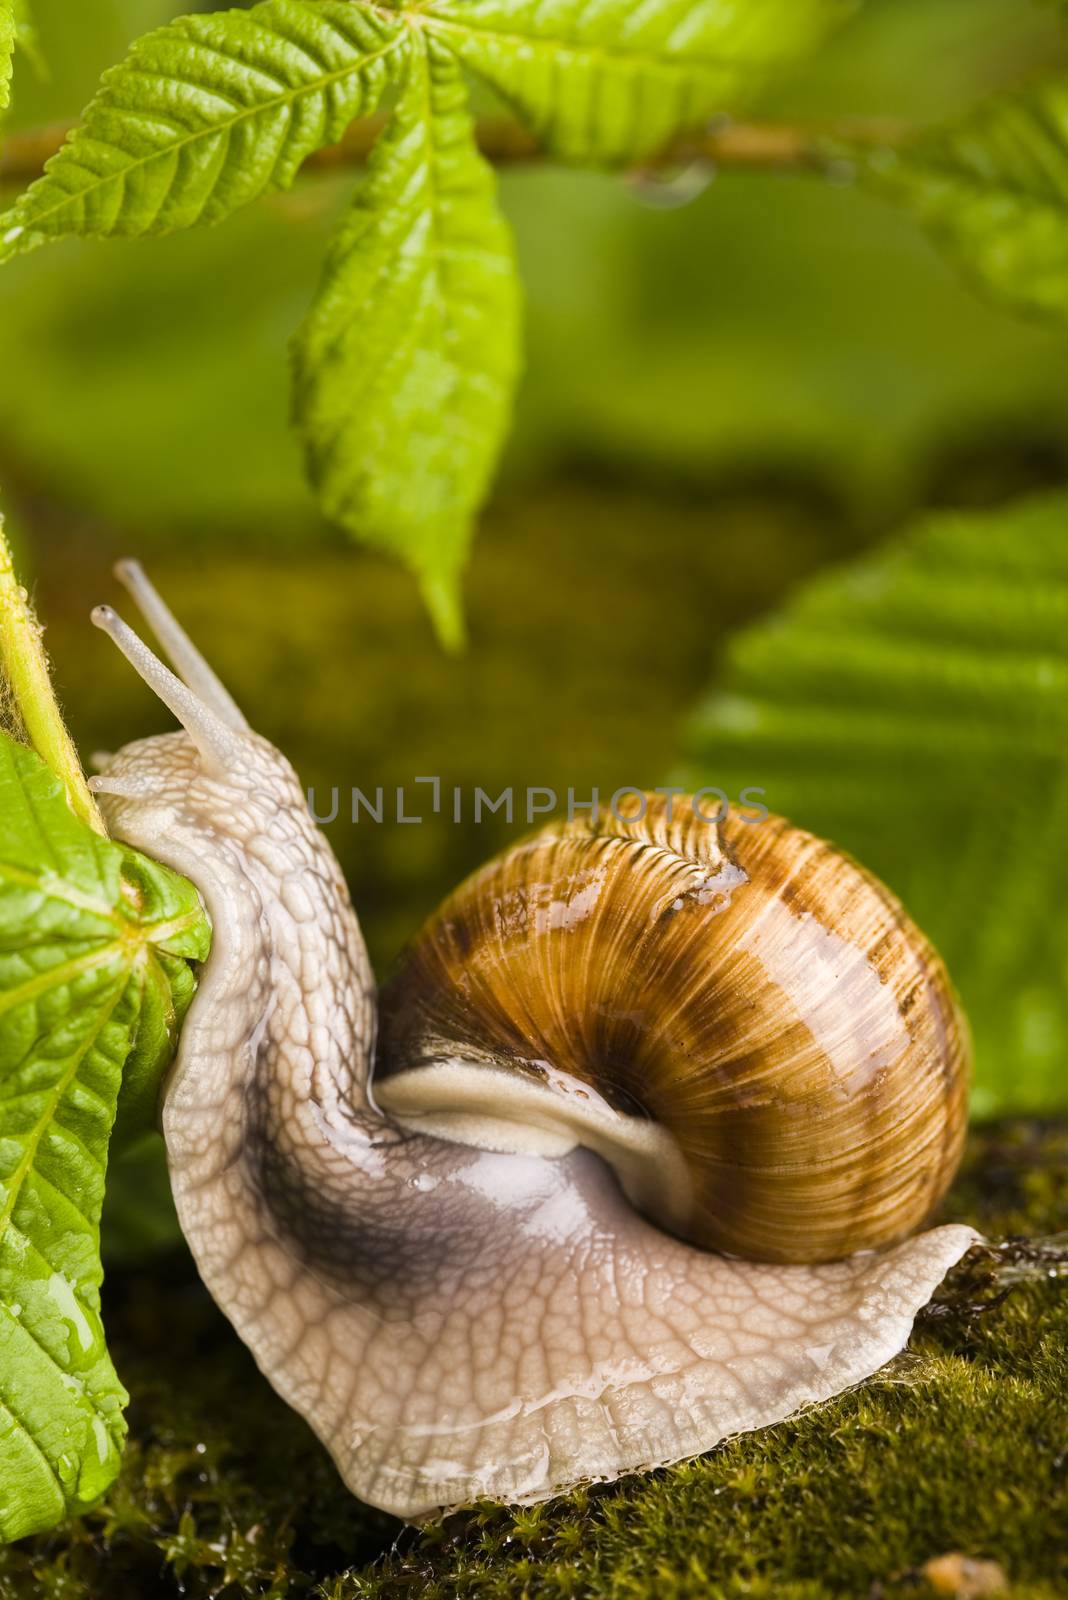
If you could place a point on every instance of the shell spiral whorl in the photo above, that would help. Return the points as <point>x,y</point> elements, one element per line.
<point>746,988</point>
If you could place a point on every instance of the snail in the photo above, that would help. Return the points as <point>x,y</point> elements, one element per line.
<point>658,1108</point>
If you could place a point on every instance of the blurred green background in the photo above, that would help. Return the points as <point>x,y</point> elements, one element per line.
<point>720,399</point>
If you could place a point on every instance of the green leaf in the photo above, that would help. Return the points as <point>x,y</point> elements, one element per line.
<point>992,191</point>
<point>611,80</point>
<point>405,366</point>
<point>913,707</point>
<point>88,929</point>
<point>7,49</point>
<point>207,113</point>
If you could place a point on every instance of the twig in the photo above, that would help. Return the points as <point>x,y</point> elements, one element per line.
<point>784,146</point>
<point>725,145</point>
<point>22,155</point>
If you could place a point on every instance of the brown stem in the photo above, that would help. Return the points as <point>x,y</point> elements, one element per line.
<point>783,146</point>
<point>739,146</point>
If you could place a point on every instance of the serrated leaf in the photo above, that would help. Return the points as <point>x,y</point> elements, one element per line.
<point>405,366</point>
<point>913,707</point>
<point>207,113</point>
<point>86,928</point>
<point>611,81</point>
<point>7,50</point>
<point>992,191</point>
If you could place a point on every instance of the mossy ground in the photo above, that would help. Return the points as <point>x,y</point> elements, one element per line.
<point>961,1445</point>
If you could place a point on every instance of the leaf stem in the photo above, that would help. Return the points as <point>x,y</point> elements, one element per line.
<point>725,145</point>
<point>26,666</point>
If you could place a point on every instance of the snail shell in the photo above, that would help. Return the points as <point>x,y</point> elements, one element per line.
<point>739,1018</point>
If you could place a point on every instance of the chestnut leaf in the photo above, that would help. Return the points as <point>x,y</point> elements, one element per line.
<point>913,708</point>
<point>7,49</point>
<point>608,81</point>
<point>992,192</point>
<point>405,366</point>
<point>206,114</point>
<point>95,942</point>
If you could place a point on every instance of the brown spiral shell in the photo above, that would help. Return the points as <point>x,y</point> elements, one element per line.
<point>750,988</point>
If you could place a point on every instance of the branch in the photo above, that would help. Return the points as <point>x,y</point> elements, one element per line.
<point>781,146</point>
<point>724,145</point>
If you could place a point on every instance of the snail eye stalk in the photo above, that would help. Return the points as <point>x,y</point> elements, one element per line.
<point>182,652</point>
<point>218,744</point>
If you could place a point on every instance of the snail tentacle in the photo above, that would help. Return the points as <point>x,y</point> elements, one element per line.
<point>211,735</point>
<point>126,789</point>
<point>184,656</point>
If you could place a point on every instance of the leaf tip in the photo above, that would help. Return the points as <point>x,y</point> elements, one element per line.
<point>441,596</point>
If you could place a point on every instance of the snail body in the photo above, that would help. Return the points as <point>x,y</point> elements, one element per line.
<point>456,1286</point>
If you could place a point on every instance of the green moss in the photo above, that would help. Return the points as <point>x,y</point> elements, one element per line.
<point>962,1444</point>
